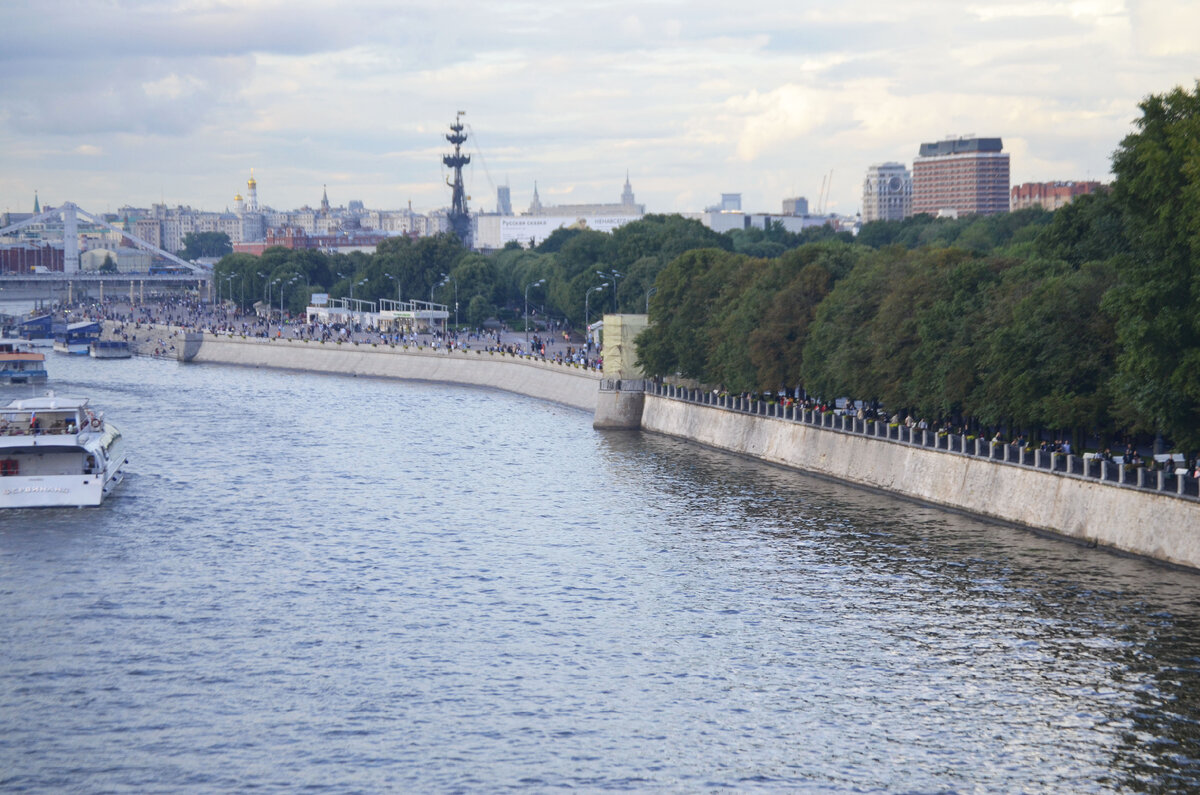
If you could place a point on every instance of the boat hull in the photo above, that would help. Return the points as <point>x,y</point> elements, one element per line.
<point>30,377</point>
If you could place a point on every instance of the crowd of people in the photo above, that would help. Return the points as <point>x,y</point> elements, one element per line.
<point>181,313</point>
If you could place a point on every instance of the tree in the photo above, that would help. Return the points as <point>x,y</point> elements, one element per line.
<point>1156,302</point>
<point>205,244</point>
<point>678,339</point>
<point>108,266</point>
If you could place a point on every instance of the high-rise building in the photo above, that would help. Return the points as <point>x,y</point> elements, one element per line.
<point>961,176</point>
<point>795,206</point>
<point>887,193</point>
<point>503,200</point>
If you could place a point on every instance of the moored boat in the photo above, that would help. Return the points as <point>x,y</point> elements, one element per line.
<point>20,364</point>
<point>55,451</point>
<point>76,338</point>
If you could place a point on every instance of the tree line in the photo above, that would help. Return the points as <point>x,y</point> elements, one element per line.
<point>1087,318</point>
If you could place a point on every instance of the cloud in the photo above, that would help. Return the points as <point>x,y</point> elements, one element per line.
<point>183,96</point>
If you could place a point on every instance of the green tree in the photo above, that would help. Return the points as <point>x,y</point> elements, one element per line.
<point>108,266</point>
<point>205,244</point>
<point>678,339</point>
<point>1156,302</point>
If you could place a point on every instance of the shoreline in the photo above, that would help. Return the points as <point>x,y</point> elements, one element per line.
<point>1141,523</point>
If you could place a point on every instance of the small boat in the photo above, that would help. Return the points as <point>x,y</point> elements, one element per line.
<point>76,338</point>
<point>109,349</point>
<point>55,451</point>
<point>19,364</point>
<point>38,331</point>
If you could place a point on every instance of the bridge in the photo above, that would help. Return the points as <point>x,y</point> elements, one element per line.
<point>72,282</point>
<point>69,214</point>
<point>70,287</point>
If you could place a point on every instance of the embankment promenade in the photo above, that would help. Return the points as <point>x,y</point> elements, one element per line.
<point>569,384</point>
<point>1058,495</point>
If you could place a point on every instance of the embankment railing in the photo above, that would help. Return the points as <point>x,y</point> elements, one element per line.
<point>1162,481</point>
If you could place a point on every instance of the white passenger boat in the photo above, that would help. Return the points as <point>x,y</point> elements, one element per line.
<point>55,451</point>
<point>19,364</point>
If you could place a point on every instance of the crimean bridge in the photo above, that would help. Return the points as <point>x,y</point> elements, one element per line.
<point>71,282</point>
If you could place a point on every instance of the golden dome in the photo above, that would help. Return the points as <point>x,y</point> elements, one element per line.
<point>237,197</point>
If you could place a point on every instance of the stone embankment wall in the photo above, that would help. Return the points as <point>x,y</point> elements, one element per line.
<point>1141,522</point>
<point>1158,526</point>
<point>560,383</point>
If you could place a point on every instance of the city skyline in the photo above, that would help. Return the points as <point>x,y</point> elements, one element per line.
<point>175,102</point>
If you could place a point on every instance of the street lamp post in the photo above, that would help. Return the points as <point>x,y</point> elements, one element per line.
<point>612,274</point>
<point>649,293</point>
<point>586,298</point>
<point>354,306</point>
<point>531,284</point>
<point>229,280</point>
<point>282,291</point>
<point>444,278</point>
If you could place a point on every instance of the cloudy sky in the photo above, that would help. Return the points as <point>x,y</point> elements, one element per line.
<point>141,101</point>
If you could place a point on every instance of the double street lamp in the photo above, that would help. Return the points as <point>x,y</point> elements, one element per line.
<point>587,298</point>
<point>531,284</point>
<point>612,274</point>
<point>282,289</point>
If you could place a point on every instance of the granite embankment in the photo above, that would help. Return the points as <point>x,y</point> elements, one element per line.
<point>1158,526</point>
<point>561,383</point>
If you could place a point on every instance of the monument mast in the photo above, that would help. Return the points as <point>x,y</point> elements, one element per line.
<point>460,219</point>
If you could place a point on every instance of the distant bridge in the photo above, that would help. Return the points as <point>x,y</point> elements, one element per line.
<point>70,287</point>
<point>69,214</point>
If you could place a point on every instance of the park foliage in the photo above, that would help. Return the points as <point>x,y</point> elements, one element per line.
<point>1084,318</point>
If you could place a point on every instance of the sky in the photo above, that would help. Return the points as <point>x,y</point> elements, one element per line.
<point>132,102</point>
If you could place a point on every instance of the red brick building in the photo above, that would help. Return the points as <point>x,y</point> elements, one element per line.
<point>1050,195</point>
<point>296,238</point>
<point>961,176</point>
<point>24,257</point>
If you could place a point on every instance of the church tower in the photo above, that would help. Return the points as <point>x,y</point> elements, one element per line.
<point>252,193</point>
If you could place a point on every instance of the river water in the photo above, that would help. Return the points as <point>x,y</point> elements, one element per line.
<point>356,585</point>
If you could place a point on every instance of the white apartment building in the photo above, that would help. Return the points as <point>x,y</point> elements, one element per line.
<point>887,193</point>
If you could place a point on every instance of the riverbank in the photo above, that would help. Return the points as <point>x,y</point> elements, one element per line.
<point>1153,525</point>
<point>1135,521</point>
<point>567,384</point>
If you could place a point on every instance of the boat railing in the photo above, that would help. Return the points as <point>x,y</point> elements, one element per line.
<point>23,427</point>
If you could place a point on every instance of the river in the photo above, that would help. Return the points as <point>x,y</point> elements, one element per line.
<point>358,585</point>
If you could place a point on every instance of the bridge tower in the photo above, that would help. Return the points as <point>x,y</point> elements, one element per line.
<point>460,219</point>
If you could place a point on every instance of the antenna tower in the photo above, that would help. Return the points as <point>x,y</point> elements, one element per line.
<point>460,219</point>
